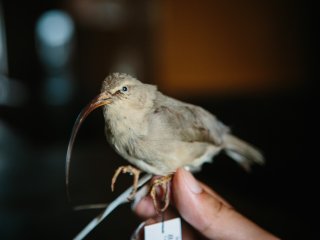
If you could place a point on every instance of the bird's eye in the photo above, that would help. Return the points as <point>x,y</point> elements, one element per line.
<point>124,89</point>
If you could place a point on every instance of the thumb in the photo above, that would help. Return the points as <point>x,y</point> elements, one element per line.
<point>196,206</point>
<point>209,213</point>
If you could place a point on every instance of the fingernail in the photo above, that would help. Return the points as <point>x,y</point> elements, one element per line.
<point>191,182</point>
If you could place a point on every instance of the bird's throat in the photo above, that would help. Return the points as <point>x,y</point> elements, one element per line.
<point>125,122</point>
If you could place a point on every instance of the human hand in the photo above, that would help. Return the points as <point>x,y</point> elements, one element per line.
<point>205,213</point>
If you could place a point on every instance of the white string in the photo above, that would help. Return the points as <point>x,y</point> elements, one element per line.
<point>123,198</point>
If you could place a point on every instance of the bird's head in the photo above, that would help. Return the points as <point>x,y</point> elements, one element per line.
<point>117,88</point>
<point>118,91</point>
<point>121,89</point>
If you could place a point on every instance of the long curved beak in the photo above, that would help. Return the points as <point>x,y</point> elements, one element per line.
<point>100,100</point>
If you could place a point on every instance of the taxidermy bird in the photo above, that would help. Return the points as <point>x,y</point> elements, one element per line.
<point>158,134</point>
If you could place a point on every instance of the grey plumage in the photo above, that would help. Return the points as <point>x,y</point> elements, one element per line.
<point>159,134</point>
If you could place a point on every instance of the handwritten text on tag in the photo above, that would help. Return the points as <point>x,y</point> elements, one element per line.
<point>167,230</point>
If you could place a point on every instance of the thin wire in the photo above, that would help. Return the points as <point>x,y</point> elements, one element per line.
<point>162,222</point>
<point>123,198</point>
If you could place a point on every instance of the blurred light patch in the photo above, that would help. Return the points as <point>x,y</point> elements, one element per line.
<point>54,34</point>
<point>55,28</point>
<point>3,45</point>
<point>58,90</point>
<point>55,43</point>
<point>229,47</point>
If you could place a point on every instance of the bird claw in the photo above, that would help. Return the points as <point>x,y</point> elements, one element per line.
<point>163,182</point>
<point>132,171</point>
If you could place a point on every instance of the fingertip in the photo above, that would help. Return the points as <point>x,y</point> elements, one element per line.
<point>194,204</point>
<point>186,194</point>
<point>185,179</point>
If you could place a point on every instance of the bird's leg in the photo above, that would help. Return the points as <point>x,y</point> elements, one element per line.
<point>163,182</point>
<point>127,169</point>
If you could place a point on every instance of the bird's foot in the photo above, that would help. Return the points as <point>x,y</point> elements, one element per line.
<point>164,183</point>
<point>132,171</point>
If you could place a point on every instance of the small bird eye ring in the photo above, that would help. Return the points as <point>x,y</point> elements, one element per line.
<point>124,89</point>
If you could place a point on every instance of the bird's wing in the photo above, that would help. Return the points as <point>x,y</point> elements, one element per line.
<point>186,122</point>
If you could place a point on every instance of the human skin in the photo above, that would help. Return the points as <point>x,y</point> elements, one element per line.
<point>204,213</point>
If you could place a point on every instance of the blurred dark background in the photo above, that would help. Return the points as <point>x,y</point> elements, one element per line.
<point>254,64</point>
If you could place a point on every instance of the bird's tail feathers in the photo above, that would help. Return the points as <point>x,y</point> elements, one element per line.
<point>242,152</point>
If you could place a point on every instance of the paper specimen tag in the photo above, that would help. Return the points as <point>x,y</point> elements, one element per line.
<point>167,230</point>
